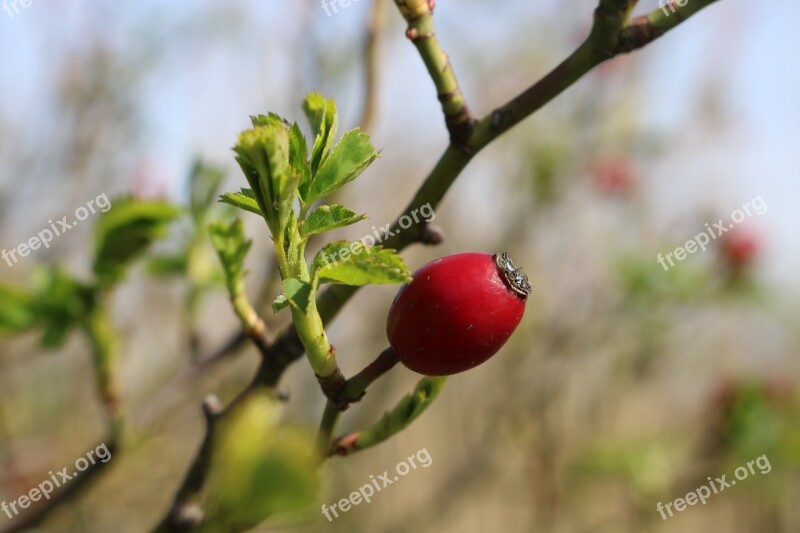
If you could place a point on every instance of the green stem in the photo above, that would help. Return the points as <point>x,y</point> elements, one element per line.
<point>421,32</point>
<point>354,389</point>
<point>327,427</point>
<point>252,324</point>
<point>307,322</point>
<point>105,351</point>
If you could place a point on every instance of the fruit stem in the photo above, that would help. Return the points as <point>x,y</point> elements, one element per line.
<point>355,388</point>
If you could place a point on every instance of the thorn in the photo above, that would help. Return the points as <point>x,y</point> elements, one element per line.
<point>187,515</point>
<point>284,395</point>
<point>212,406</point>
<point>497,119</point>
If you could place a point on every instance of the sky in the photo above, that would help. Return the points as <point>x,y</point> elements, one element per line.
<point>199,97</point>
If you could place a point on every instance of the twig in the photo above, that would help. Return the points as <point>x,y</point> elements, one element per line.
<point>75,487</point>
<point>609,38</point>
<point>419,15</point>
<point>185,512</point>
<point>370,51</point>
<point>356,387</point>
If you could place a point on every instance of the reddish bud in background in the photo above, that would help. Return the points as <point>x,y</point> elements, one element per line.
<point>740,248</point>
<point>613,175</point>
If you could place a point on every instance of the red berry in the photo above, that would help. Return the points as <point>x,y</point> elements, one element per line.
<point>457,312</point>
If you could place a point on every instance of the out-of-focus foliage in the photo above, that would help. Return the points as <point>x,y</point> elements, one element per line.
<point>124,233</point>
<point>261,467</point>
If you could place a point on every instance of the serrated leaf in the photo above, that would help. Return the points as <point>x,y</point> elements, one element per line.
<point>402,415</point>
<point>125,231</point>
<point>351,157</point>
<point>263,153</point>
<point>298,155</point>
<point>229,241</point>
<point>321,113</point>
<point>327,218</point>
<point>280,302</point>
<point>352,263</point>
<point>270,119</point>
<point>245,200</point>
<point>298,293</point>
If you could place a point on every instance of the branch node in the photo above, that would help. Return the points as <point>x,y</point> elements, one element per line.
<point>431,235</point>
<point>332,385</point>
<point>415,36</point>
<point>212,407</point>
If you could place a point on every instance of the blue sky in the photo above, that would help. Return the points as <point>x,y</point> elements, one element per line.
<point>200,97</point>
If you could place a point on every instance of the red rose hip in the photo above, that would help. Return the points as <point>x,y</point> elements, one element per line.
<point>457,312</point>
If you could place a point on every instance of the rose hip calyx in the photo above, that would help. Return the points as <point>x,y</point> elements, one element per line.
<point>515,277</point>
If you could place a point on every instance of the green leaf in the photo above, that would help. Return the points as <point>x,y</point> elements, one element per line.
<point>17,310</point>
<point>164,266</point>
<point>298,155</point>
<point>55,303</point>
<point>414,404</point>
<point>280,303</point>
<point>326,218</point>
<point>270,119</point>
<point>294,247</point>
<point>403,414</point>
<point>263,154</point>
<point>232,248</point>
<point>298,293</point>
<point>352,263</point>
<point>351,157</point>
<point>321,113</point>
<point>259,468</point>
<point>124,233</point>
<point>62,302</point>
<point>245,200</point>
